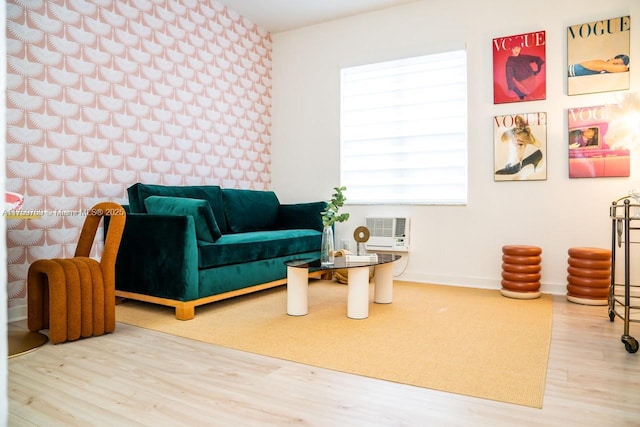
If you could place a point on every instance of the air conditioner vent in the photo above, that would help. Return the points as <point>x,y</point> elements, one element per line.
<point>400,228</point>
<point>388,233</point>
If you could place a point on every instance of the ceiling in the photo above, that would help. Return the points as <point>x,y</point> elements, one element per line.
<point>282,15</point>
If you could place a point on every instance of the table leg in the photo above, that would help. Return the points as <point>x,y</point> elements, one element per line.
<point>383,289</point>
<point>297,291</point>
<point>358,296</point>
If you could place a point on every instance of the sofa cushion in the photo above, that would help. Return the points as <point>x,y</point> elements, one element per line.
<point>242,248</point>
<point>212,193</point>
<point>250,210</point>
<point>301,215</point>
<point>206,227</point>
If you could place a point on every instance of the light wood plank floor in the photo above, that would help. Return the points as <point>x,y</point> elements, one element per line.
<point>137,377</point>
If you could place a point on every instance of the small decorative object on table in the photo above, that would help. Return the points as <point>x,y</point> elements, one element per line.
<point>330,216</point>
<point>361,236</point>
<point>365,258</point>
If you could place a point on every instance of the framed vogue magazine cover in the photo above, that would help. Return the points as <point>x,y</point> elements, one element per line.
<point>520,147</point>
<point>598,56</point>
<point>519,73</point>
<point>593,151</point>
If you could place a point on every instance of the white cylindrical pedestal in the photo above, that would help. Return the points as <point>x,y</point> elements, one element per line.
<point>383,289</point>
<point>358,293</point>
<point>297,291</point>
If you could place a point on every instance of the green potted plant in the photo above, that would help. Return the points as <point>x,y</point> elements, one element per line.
<point>330,216</point>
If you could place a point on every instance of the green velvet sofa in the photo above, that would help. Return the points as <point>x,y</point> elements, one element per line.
<point>184,246</point>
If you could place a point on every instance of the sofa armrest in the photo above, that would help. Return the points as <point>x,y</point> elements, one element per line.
<point>301,215</point>
<point>158,256</point>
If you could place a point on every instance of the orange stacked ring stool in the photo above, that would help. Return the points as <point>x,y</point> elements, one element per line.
<point>521,271</point>
<point>589,276</point>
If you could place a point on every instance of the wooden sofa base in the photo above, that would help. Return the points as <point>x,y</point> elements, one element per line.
<point>186,310</point>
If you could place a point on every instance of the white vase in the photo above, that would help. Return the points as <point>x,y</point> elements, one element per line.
<point>327,252</point>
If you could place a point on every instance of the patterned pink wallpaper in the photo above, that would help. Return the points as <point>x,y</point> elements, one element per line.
<point>102,94</point>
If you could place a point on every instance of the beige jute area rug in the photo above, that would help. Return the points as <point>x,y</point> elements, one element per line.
<point>461,340</point>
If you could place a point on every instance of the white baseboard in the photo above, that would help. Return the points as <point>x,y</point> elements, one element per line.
<point>476,282</point>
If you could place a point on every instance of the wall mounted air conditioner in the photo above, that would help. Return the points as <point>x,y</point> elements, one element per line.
<point>388,234</point>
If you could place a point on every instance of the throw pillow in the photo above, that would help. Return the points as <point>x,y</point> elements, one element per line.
<point>211,193</point>
<point>250,210</point>
<point>206,226</point>
<point>301,215</point>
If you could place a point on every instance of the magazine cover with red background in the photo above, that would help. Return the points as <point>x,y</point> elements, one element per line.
<point>519,72</point>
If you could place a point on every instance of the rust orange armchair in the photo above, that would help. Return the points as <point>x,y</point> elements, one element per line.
<point>75,297</point>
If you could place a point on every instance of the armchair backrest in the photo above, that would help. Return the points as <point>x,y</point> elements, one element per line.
<point>114,234</point>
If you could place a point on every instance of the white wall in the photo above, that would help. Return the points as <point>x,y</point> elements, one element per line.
<point>452,245</point>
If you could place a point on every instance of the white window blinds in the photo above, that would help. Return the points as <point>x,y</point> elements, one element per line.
<point>404,130</point>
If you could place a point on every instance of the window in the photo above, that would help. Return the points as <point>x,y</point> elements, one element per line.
<point>404,130</point>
